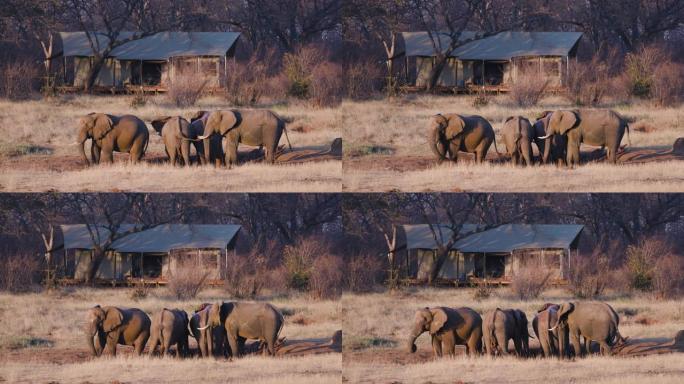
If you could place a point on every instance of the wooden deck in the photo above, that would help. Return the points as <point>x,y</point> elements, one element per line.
<point>473,89</point>
<point>475,281</point>
<point>131,282</point>
<point>128,89</point>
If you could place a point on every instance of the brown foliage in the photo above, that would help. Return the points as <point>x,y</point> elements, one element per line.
<point>652,266</point>
<point>17,80</point>
<point>247,82</point>
<point>326,277</point>
<point>668,84</point>
<point>188,280</point>
<point>363,79</point>
<point>528,89</point>
<point>529,282</point>
<point>363,273</point>
<point>19,273</point>
<point>327,84</point>
<point>185,89</point>
<point>247,275</point>
<point>668,276</point>
<point>640,68</point>
<point>589,276</point>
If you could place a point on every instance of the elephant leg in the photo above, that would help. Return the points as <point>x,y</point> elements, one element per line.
<point>185,152</point>
<point>107,154</point>
<point>140,342</point>
<point>271,340</point>
<point>95,153</point>
<point>514,158</point>
<point>232,341</point>
<point>606,350</point>
<point>153,345</point>
<point>112,341</point>
<point>573,155</point>
<point>231,153</point>
<point>199,150</point>
<point>517,344</point>
<point>502,341</point>
<point>203,343</point>
<point>587,345</point>
<point>544,343</point>
<point>436,347</point>
<point>575,340</point>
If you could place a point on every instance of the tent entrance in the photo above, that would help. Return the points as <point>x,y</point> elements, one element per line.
<point>147,265</point>
<point>146,72</point>
<point>488,72</point>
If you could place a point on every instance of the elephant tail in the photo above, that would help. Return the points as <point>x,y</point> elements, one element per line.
<point>498,154</point>
<point>284,123</point>
<point>629,139</point>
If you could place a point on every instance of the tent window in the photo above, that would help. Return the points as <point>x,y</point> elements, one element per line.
<point>150,267</point>
<point>151,73</point>
<point>496,265</point>
<point>493,73</point>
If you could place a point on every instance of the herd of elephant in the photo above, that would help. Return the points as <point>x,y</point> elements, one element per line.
<point>557,135</point>
<point>205,130</point>
<point>553,325</point>
<point>220,329</point>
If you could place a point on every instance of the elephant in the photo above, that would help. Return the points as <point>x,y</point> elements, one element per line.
<point>447,327</point>
<point>599,127</point>
<point>257,127</point>
<point>111,133</point>
<point>170,326</point>
<point>110,326</point>
<point>210,341</point>
<point>555,152</point>
<point>593,320</point>
<point>242,321</point>
<point>502,325</point>
<point>197,122</point>
<point>544,319</point>
<point>451,133</point>
<point>177,135</point>
<point>518,134</point>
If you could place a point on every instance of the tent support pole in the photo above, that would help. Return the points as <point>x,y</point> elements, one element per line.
<point>484,256</point>
<point>65,70</point>
<point>142,272</point>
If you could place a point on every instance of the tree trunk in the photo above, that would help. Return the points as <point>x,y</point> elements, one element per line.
<point>438,263</point>
<point>98,62</point>
<point>436,71</point>
<point>94,265</point>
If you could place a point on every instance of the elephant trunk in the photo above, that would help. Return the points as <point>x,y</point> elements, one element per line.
<point>436,144</point>
<point>411,343</point>
<point>90,340</point>
<point>82,137</point>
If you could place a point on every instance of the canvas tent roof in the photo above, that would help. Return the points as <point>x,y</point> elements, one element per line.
<point>502,239</point>
<point>160,46</point>
<point>162,238</point>
<point>502,46</point>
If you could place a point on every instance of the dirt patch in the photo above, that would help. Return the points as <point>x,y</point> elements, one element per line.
<point>418,163</point>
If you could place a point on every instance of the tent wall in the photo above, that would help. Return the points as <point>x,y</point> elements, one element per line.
<point>115,265</point>
<point>448,77</point>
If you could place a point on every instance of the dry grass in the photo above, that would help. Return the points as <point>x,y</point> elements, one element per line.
<point>597,177</point>
<point>388,317</point>
<point>49,128</point>
<point>50,324</point>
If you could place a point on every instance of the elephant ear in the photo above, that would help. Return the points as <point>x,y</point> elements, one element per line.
<point>565,310</point>
<point>103,124</point>
<point>229,120</point>
<point>439,318</point>
<point>158,123</point>
<point>544,307</point>
<point>197,115</point>
<point>214,315</point>
<point>113,319</point>
<point>562,121</point>
<point>543,115</point>
<point>455,127</point>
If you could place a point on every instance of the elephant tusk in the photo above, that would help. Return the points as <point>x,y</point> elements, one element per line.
<point>203,328</point>
<point>544,137</point>
<point>551,329</point>
<point>202,137</point>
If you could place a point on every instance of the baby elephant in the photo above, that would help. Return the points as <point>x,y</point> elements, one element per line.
<point>110,134</point>
<point>170,326</point>
<point>502,325</point>
<point>518,135</point>
<point>177,135</point>
<point>447,327</point>
<point>106,327</point>
<point>452,133</point>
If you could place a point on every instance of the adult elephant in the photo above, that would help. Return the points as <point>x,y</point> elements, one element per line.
<point>502,325</point>
<point>518,135</point>
<point>216,156</point>
<point>243,321</point>
<point>593,320</point>
<point>556,151</point>
<point>447,327</point>
<point>544,319</point>
<point>106,327</point>
<point>170,327</point>
<point>453,133</point>
<point>111,134</point>
<point>255,127</point>
<point>210,341</point>
<point>177,134</point>
<point>598,127</point>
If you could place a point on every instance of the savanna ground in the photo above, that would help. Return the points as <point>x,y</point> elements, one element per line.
<point>37,151</point>
<point>386,149</point>
<point>45,342</point>
<point>377,325</point>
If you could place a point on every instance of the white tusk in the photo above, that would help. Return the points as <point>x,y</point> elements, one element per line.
<point>203,328</point>
<point>551,329</point>
<point>544,137</point>
<point>202,137</point>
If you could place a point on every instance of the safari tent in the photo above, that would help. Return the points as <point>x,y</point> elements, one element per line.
<point>153,254</point>
<point>152,61</point>
<point>494,254</point>
<point>494,61</point>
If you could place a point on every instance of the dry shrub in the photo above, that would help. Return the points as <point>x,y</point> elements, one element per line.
<point>185,89</point>
<point>19,273</point>
<point>363,273</point>
<point>482,291</point>
<point>297,67</point>
<point>363,80</point>
<point>529,282</point>
<point>640,67</point>
<point>589,276</point>
<point>140,291</point>
<point>326,277</point>
<point>667,88</point>
<point>481,99</point>
<point>529,89</point>
<point>652,266</point>
<point>298,260</point>
<point>327,84</point>
<point>247,275</point>
<point>17,80</point>
<point>247,82</point>
<point>188,280</point>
